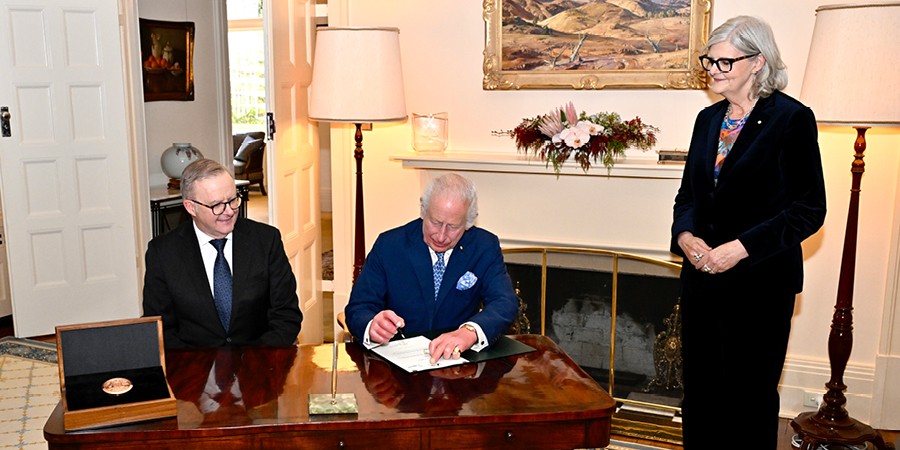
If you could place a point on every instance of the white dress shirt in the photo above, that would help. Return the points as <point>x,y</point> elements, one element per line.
<point>209,253</point>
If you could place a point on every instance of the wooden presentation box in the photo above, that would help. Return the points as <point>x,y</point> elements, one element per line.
<point>93,354</point>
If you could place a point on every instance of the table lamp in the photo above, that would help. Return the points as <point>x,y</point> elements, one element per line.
<point>357,78</point>
<point>850,80</point>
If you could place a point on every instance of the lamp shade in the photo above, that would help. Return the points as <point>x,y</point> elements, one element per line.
<point>851,73</point>
<point>357,76</point>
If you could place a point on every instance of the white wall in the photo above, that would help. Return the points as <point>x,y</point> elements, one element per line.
<point>442,44</point>
<point>198,121</point>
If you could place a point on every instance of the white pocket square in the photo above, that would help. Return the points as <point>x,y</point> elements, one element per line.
<point>466,281</point>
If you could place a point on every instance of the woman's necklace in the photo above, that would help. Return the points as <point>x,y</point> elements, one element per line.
<point>732,124</point>
<point>730,130</point>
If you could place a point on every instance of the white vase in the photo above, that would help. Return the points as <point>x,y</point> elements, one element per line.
<point>177,157</point>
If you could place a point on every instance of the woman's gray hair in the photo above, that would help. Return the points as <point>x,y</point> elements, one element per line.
<point>752,35</point>
<point>196,171</point>
<point>456,186</point>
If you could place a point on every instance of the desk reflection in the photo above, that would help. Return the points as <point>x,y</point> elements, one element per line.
<point>439,392</point>
<point>239,386</point>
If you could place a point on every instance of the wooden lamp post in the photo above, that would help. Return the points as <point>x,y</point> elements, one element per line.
<point>850,80</point>
<point>357,78</point>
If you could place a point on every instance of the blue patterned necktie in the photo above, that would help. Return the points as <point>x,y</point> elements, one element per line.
<point>222,283</point>
<point>438,274</point>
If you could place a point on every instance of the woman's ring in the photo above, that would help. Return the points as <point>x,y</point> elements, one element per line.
<point>706,269</point>
<point>698,256</point>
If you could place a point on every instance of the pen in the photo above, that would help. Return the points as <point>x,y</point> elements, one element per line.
<point>399,325</point>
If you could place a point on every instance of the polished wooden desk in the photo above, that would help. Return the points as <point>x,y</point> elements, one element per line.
<point>535,400</point>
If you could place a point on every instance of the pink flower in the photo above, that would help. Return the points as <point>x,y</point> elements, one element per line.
<point>575,137</point>
<point>551,123</point>
<point>591,128</point>
<point>571,114</point>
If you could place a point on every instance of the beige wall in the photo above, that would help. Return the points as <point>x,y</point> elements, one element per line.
<point>442,44</point>
<point>199,121</point>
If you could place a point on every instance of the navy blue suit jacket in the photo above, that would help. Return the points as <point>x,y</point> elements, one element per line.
<point>770,194</point>
<point>398,276</point>
<point>265,309</point>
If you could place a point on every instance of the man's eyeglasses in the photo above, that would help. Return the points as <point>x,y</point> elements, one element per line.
<point>219,208</point>
<point>723,64</point>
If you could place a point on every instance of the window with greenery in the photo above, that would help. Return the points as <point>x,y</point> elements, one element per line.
<point>246,53</point>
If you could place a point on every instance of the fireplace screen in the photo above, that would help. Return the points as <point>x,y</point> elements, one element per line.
<point>617,315</point>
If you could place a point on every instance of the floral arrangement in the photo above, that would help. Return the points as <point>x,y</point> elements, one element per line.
<point>562,133</point>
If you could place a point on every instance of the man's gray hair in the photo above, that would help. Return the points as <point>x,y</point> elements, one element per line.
<point>453,185</point>
<point>200,169</point>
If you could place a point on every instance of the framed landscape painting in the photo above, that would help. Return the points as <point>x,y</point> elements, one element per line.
<point>167,60</point>
<point>594,44</point>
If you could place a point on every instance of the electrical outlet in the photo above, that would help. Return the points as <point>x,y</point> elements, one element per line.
<point>812,399</point>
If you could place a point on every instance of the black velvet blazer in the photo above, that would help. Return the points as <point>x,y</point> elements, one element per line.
<point>770,194</point>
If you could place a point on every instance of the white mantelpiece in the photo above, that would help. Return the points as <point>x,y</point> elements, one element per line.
<point>528,164</point>
<point>627,208</point>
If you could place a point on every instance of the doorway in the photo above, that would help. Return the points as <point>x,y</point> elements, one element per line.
<point>248,66</point>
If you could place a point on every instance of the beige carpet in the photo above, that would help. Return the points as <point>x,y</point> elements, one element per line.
<point>29,390</point>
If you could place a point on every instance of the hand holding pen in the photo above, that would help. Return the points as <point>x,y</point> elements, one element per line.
<point>384,326</point>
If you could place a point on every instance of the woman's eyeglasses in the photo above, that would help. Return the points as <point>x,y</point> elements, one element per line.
<point>723,64</point>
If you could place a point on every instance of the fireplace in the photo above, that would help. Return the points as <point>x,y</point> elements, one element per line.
<point>617,315</point>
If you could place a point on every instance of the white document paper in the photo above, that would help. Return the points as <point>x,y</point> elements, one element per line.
<point>412,355</point>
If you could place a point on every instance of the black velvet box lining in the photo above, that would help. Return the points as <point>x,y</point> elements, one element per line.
<point>86,391</point>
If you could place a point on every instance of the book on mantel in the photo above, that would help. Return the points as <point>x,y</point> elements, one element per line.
<point>672,156</point>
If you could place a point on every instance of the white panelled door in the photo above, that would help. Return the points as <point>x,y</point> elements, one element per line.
<point>64,170</point>
<point>295,156</point>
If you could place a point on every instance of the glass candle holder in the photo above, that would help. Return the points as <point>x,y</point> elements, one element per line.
<point>430,132</point>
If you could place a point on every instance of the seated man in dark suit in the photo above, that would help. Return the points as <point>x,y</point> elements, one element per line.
<point>189,279</point>
<point>435,273</point>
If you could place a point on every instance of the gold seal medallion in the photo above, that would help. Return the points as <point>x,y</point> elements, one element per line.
<point>117,386</point>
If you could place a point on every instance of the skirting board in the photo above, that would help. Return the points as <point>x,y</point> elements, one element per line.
<point>886,401</point>
<point>801,376</point>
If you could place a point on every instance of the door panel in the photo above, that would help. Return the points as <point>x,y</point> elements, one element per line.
<point>295,155</point>
<point>65,172</point>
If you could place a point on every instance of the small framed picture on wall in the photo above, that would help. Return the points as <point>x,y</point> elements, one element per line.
<point>167,60</point>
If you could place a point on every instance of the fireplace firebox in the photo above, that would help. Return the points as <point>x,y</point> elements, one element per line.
<point>618,316</point>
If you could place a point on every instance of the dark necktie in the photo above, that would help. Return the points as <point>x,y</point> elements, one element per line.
<point>438,274</point>
<point>222,283</point>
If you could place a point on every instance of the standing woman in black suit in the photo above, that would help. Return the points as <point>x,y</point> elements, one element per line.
<point>751,192</point>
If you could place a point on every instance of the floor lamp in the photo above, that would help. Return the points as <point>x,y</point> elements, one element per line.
<point>357,78</point>
<point>839,86</point>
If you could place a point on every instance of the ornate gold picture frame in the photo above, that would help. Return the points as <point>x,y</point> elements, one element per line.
<point>595,45</point>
